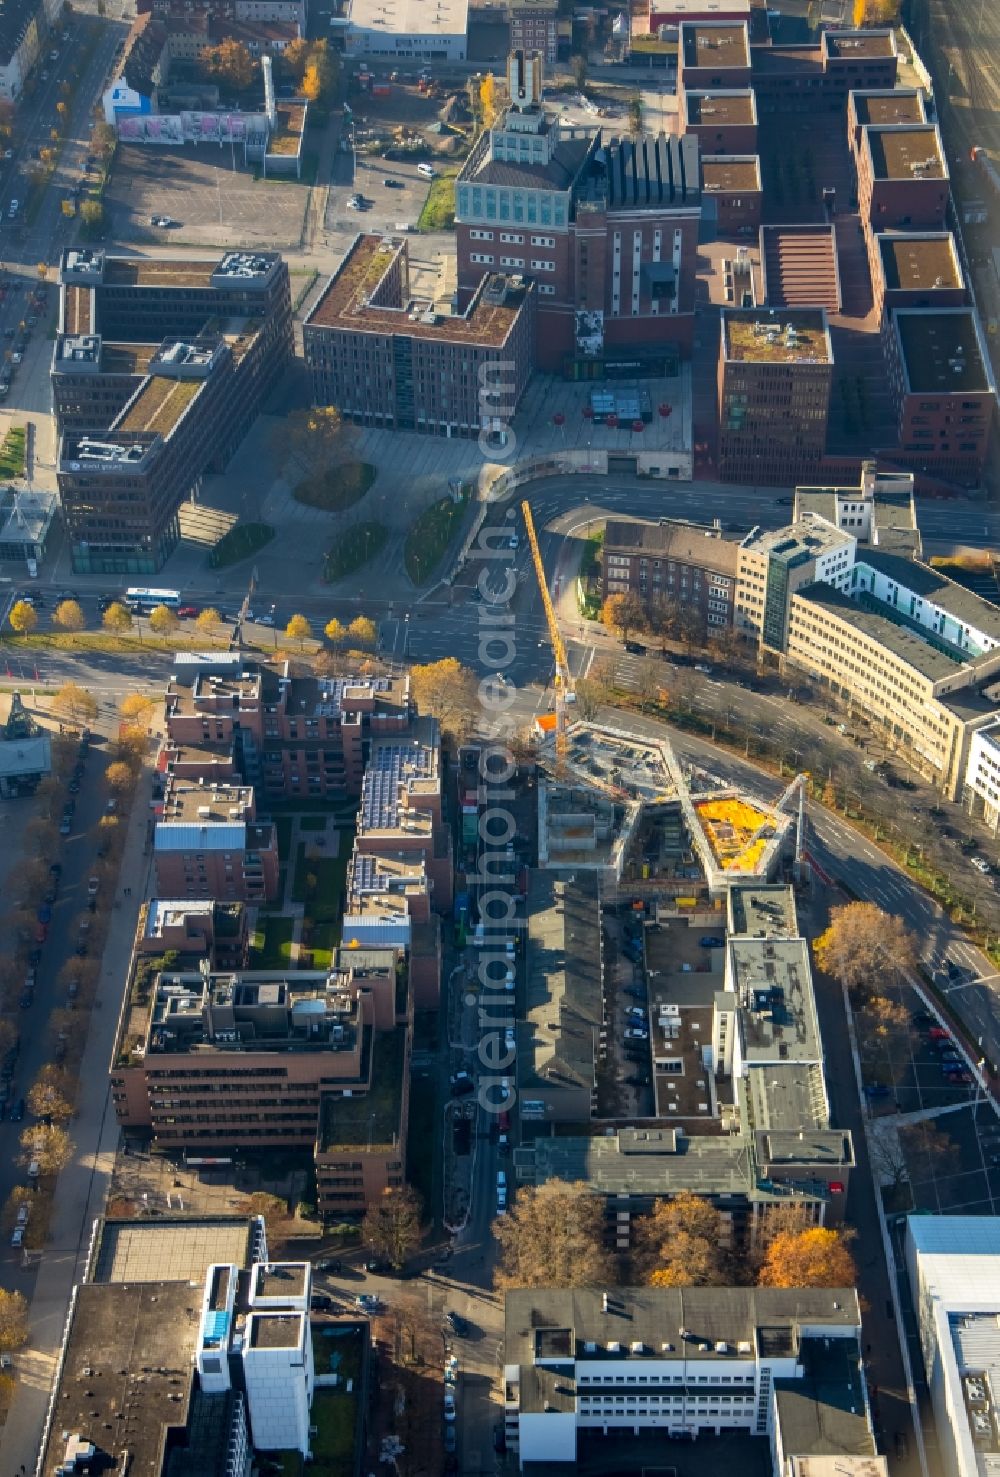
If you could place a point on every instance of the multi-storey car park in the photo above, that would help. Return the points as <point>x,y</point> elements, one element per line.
<point>158,370</point>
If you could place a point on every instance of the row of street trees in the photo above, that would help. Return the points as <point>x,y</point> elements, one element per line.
<point>69,618</point>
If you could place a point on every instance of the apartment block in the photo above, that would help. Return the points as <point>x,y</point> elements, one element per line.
<point>216,1062</point>
<point>534,27</point>
<point>195,929</point>
<point>668,561</point>
<point>712,54</point>
<point>888,107</point>
<point>775,370</point>
<point>981,789</point>
<point>388,904</point>
<point>820,77</point>
<point>916,270</point>
<point>722,122</point>
<point>903,182</point>
<point>158,370</point>
<point>386,358</point>
<point>207,843</point>
<point>777,1373</point>
<point>605,228</point>
<point>942,382</point>
<point>732,193</point>
<point>401,810</point>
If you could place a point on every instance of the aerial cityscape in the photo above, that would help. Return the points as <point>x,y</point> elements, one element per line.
<point>499,738</point>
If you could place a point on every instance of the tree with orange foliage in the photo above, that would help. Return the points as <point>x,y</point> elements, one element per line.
<point>815,1258</point>
<point>678,1244</point>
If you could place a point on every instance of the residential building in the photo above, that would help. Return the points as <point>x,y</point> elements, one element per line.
<point>741,1113</point>
<point>388,902</point>
<point>903,182</point>
<point>24,29</point>
<point>981,791</point>
<point>916,270</point>
<point>387,359</point>
<point>820,77</point>
<point>732,194</point>
<point>775,371</point>
<point>880,511</point>
<point>722,122</point>
<point>605,229</point>
<point>887,107</point>
<point>669,561</point>
<point>294,12</point>
<point>159,369</point>
<point>712,54</point>
<point>195,929</point>
<point>534,26</point>
<point>773,563</point>
<point>217,1062</point>
<point>670,13</point>
<point>25,751</point>
<point>401,812</point>
<point>207,843</point>
<point>586,1368</point>
<point>953,1266</point>
<point>412,33</point>
<point>942,382</point>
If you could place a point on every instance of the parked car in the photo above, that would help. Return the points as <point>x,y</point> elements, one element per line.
<point>188,612</point>
<point>322,1302</point>
<point>938,1033</point>
<point>450,1410</point>
<point>712,941</point>
<point>368,1302</point>
<point>392,184</point>
<point>979,862</point>
<point>456,1323</point>
<point>636,1033</point>
<point>330,1264</point>
<point>17,1111</point>
<point>17,1236</point>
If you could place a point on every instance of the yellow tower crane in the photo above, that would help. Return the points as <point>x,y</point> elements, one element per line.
<point>563,681</point>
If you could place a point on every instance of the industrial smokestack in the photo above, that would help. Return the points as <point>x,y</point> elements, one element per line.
<point>267,67</point>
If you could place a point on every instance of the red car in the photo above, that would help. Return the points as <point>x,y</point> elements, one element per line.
<point>938,1033</point>
<point>41,933</point>
<point>188,612</point>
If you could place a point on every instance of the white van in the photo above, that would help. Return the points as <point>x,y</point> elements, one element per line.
<point>427,170</point>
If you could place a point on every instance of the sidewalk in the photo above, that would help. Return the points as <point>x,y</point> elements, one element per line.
<point>82,1187</point>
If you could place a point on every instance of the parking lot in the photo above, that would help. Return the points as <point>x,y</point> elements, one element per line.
<point>387,207</point>
<point>208,192</point>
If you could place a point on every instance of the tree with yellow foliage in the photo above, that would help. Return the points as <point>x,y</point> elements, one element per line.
<point>488,100</point>
<point>815,1258</point>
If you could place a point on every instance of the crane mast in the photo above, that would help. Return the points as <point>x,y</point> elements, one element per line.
<point>562,679</point>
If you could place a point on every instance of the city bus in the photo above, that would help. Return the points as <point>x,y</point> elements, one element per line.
<point>139,599</point>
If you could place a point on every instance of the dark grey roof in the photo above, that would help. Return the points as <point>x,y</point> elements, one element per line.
<point>903,642</point>
<point>649,172</point>
<point>558,174</point>
<point>824,1414</point>
<point>563,982</point>
<point>690,545</point>
<point>959,602</point>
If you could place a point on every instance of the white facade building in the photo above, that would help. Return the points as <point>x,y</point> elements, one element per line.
<point>981,796</point>
<point>278,1369</point>
<point>410,29</point>
<point>954,1272</point>
<point>781,1366</point>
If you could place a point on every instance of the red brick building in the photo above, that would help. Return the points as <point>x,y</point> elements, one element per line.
<point>668,561</point>
<point>731,192</point>
<point>208,844</point>
<point>818,78</point>
<point>534,26</point>
<point>942,383</point>
<point>712,54</point>
<point>887,108</point>
<point>902,179</point>
<point>722,122</point>
<point>606,230</point>
<point>775,370</point>
<point>916,270</point>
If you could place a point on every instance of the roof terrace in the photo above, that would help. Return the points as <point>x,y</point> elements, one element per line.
<point>144,271</point>
<point>776,336</point>
<point>158,405</point>
<point>368,1119</point>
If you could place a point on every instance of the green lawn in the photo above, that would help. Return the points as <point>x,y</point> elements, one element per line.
<point>337,488</point>
<point>438,213</point>
<point>354,547</point>
<point>427,541</point>
<point>323,901</point>
<point>334,1413</point>
<point>242,540</point>
<point>12,452</point>
<point>323,939</point>
<point>273,944</point>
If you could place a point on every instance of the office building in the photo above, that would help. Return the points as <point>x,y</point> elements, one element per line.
<point>722,122</point>
<point>889,107</point>
<point>880,511</point>
<point>981,791</point>
<point>819,77</point>
<point>916,270</point>
<point>589,1369</point>
<point>186,1351</point>
<point>732,194</point>
<point>216,1062</point>
<point>902,178</point>
<point>773,563</point>
<point>741,1109</point>
<point>534,26</point>
<point>670,13</point>
<point>712,54</point>
<point>207,843</point>
<point>606,229</point>
<point>158,370</point>
<point>387,359</point>
<point>409,32</point>
<point>775,371</point>
<point>953,1266</point>
<point>942,382</point>
<point>669,561</point>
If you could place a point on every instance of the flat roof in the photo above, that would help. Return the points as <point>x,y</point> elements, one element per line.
<point>158,405</point>
<point>824,1413</point>
<point>78,315</point>
<point>883,108</point>
<point>803,539</point>
<point>772,980</point>
<point>119,358</point>
<point>763,908</point>
<point>776,336</point>
<point>346,302</point>
<point>715,43</point>
<point>942,350</point>
<point>864,44</point>
<point>907,153</point>
<point>719,109</point>
<point>400,772</point>
<point>967,608</point>
<point>178,1250</point>
<point>280,1280</point>
<point>902,641</point>
<point>368,1119</point>
<point>185,800</point>
<point>125,1378</point>
<point>920,263</point>
<point>733,172</point>
<point>411,17</point>
<point>145,271</point>
<point>275,1330</point>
